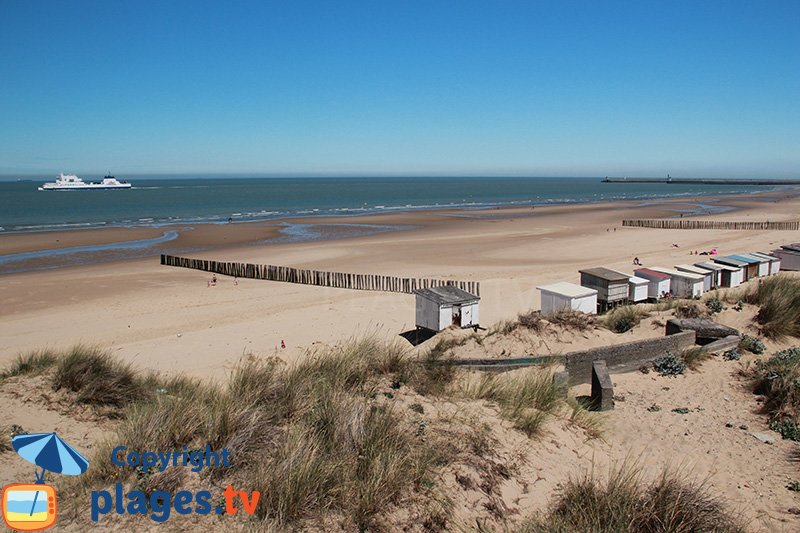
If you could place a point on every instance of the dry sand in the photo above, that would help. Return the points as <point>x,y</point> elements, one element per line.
<point>168,319</point>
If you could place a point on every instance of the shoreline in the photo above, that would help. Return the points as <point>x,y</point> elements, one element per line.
<point>22,252</point>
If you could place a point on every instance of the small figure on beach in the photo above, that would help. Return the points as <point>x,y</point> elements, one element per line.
<point>283,344</point>
<point>235,280</point>
<point>213,279</point>
<point>636,261</point>
<point>675,245</point>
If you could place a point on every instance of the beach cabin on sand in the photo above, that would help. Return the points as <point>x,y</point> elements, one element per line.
<point>611,286</point>
<point>789,254</point>
<point>708,275</point>
<point>637,289</point>
<point>763,263</point>
<point>749,266</point>
<point>441,307</point>
<point>716,271</point>
<point>732,276</point>
<point>774,262</point>
<point>659,283</point>
<point>563,296</point>
<point>684,284</point>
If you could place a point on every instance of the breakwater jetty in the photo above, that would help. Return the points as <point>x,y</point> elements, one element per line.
<point>700,181</point>
<point>339,280</point>
<point>672,223</point>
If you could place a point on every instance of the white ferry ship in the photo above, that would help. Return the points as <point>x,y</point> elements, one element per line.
<point>69,182</point>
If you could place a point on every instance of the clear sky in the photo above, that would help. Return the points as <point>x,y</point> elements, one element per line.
<point>559,88</point>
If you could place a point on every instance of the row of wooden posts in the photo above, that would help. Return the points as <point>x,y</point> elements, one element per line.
<point>672,223</point>
<point>364,282</point>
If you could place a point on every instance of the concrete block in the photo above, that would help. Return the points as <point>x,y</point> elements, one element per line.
<point>602,387</point>
<point>731,341</point>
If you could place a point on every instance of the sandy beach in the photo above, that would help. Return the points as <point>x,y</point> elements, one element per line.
<point>168,319</point>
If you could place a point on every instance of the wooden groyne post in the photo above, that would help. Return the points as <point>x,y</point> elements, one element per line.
<point>671,223</point>
<point>339,280</point>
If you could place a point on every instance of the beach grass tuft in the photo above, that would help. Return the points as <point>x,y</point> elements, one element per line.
<point>31,363</point>
<point>625,503</point>
<point>624,318</point>
<point>778,298</point>
<point>97,377</point>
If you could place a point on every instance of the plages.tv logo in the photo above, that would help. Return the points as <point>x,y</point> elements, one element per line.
<point>34,506</point>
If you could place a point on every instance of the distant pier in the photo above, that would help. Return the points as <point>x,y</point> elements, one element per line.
<point>699,181</point>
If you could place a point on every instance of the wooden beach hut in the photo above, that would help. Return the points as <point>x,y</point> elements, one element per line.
<point>749,266</point>
<point>611,286</point>
<point>774,262</point>
<point>732,275</point>
<point>789,254</point>
<point>708,275</point>
<point>564,296</point>
<point>441,307</point>
<point>683,284</point>
<point>716,273</point>
<point>659,283</point>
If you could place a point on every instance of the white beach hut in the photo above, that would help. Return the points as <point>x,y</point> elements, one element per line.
<point>563,296</point>
<point>659,283</point>
<point>732,275</point>
<point>441,307</point>
<point>774,262</point>
<point>716,272</point>
<point>684,284</point>
<point>708,275</point>
<point>637,288</point>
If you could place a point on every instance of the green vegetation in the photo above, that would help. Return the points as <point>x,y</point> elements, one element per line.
<point>30,364</point>
<point>319,438</point>
<point>693,357</point>
<point>752,345</point>
<point>669,365</point>
<point>778,298</point>
<point>97,377</point>
<point>624,318</point>
<point>732,355</point>
<point>626,504</point>
<point>778,380</point>
<point>714,305</point>
<point>526,396</point>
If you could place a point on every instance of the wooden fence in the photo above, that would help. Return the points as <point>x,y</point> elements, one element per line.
<point>341,280</point>
<point>672,223</point>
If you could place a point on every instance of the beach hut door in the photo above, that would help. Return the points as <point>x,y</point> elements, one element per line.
<point>457,315</point>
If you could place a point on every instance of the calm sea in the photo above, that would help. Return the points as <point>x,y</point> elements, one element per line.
<point>159,201</point>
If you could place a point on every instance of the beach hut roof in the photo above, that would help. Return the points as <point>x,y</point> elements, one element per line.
<point>764,256</point>
<point>795,247</point>
<point>708,265</point>
<point>694,269</point>
<point>447,294</point>
<point>678,274</point>
<point>747,259</point>
<point>651,272</point>
<point>605,274</point>
<point>565,288</point>
<point>732,261</point>
<point>638,281</point>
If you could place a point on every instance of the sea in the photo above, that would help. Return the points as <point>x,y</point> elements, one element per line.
<point>161,201</point>
<point>179,203</point>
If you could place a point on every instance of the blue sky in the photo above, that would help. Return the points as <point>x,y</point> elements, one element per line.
<point>561,88</point>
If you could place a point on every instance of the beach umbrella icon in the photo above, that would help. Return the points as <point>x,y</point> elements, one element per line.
<point>50,452</point>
